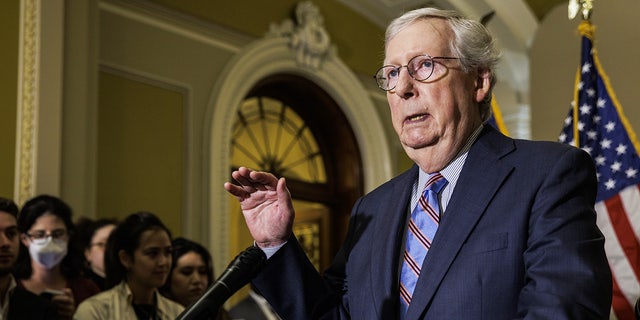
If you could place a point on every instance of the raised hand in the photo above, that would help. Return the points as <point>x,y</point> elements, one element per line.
<point>266,205</point>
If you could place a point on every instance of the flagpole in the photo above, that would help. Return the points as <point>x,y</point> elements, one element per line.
<point>584,7</point>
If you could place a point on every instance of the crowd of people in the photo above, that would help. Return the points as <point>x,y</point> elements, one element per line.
<point>53,268</point>
<point>482,226</point>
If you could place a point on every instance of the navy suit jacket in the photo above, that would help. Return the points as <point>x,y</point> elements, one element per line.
<point>517,240</point>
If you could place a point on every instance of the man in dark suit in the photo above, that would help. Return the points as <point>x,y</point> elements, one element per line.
<point>514,230</point>
<point>16,302</point>
<point>253,307</point>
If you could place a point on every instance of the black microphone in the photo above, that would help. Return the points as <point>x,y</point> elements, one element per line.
<point>240,271</point>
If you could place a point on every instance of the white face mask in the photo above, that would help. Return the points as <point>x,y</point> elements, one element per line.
<point>49,253</point>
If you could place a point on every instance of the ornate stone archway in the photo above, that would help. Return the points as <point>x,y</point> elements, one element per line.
<point>278,53</point>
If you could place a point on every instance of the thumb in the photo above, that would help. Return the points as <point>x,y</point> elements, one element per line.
<point>284,197</point>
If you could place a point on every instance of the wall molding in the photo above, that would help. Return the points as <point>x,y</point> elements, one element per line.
<point>268,56</point>
<point>28,83</point>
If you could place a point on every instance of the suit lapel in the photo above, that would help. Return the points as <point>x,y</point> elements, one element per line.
<point>385,249</point>
<point>480,178</point>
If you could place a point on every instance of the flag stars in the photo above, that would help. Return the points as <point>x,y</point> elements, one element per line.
<point>621,149</point>
<point>591,92</point>
<point>585,109</point>
<point>567,121</point>
<point>562,137</point>
<point>592,134</point>
<point>580,125</point>
<point>600,160</point>
<point>596,119</point>
<point>631,173</point>
<point>586,67</point>
<point>587,149</point>
<point>580,85</point>
<point>610,184</point>
<point>601,103</point>
<point>610,126</point>
<point>605,143</point>
<point>615,167</point>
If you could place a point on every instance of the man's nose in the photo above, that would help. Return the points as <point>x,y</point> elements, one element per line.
<point>404,87</point>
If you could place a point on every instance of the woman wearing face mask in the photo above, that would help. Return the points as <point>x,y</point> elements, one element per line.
<point>47,264</point>
<point>191,274</point>
<point>137,260</point>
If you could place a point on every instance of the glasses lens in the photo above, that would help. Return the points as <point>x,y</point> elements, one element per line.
<point>37,235</point>
<point>41,237</point>
<point>58,233</point>
<point>387,77</point>
<point>421,67</point>
<point>100,245</point>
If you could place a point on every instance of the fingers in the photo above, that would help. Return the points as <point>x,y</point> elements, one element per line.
<point>284,197</point>
<point>65,304</point>
<point>283,192</point>
<point>235,190</point>
<point>250,181</point>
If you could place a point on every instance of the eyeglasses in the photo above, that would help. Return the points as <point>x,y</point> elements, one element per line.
<point>40,236</point>
<point>100,245</point>
<point>419,67</point>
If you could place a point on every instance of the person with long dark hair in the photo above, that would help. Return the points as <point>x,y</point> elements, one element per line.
<point>191,274</point>
<point>47,264</point>
<point>137,260</point>
<point>16,302</point>
<point>93,235</point>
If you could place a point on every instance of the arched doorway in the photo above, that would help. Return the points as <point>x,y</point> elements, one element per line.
<point>260,62</point>
<point>291,127</point>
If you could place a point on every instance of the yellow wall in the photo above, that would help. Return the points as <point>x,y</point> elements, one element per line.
<point>359,41</point>
<point>140,150</point>
<point>9,19</point>
<point>555,58</point>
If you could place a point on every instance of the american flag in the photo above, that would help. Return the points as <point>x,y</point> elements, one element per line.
<point>597,125</point>
<point>496,117</point>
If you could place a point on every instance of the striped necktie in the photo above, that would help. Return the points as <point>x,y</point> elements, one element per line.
<point>422,227</point>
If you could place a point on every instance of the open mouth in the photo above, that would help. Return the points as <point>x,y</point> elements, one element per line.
<point>416,118</point>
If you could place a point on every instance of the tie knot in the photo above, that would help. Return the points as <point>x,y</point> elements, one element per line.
<point>435,183</point>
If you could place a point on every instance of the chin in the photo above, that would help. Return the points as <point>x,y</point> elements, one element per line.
<point>414,145</point>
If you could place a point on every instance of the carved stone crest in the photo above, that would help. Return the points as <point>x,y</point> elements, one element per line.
<point>308,38</point>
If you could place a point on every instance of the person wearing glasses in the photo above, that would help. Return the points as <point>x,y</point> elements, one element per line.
<point>48,265</point>
<point>15,301</point>
<point>481,227</point>
<point>93,237</point>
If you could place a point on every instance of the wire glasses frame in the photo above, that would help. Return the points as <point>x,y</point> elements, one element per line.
<point>40,237</point>
<point>419,67</point>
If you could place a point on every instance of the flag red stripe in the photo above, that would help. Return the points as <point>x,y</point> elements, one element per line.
<point>624,232</point>
<point>621,307</point>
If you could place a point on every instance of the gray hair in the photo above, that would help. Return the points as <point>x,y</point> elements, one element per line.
<point>473,43</point>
